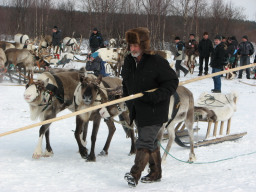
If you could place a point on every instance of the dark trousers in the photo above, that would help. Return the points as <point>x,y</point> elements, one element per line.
<point>147,137</point>
<point>244,60</point>
<point>179,67</point>
<point>201,62</point>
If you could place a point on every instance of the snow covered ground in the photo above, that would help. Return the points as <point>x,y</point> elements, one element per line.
<point>66,171</point>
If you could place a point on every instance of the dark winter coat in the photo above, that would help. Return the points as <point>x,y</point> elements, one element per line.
<point>56,38</point>
<point>218,56</point>
<point>245,48</point>
<point>179,50</point>
<point>151,72</point>
<point>94,65</point>
<point>192,50</point>
<point>205,47</point>
<point>96,40</point>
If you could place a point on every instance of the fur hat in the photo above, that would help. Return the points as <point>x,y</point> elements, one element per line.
<point>55,27</point>
<point>139,36</point>
<point>177,38</point>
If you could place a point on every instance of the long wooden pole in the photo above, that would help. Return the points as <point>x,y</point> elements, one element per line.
<point>131,97</point>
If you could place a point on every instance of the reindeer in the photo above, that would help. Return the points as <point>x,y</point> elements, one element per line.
<point>45,42</point>
<point>184,113</point>
<point>93,91</point>
<point>70,44</point>
<point>49,95</point>
<point>6,45</point>
<point>112,43</point>
<point>20,58</point>
<point>22,39</point>
<point>2,63</point>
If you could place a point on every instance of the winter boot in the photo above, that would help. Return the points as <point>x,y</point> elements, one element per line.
<point>200,73</point>
<point>155,173</point>
<point>141,160</point>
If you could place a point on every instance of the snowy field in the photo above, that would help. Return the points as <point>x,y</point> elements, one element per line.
<point>66,171</point>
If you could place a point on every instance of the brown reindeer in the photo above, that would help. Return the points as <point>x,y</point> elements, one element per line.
<point>20,58</point>
<point>93,91</point>
<point>47,96</point>
<point>185,113</point>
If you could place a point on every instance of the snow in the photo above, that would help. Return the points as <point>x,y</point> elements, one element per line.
<point>67,171</point>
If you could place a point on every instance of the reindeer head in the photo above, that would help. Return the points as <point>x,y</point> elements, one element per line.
<point>34,90</point>
<point>89,88</point>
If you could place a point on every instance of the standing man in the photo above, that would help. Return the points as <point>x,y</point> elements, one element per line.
<point>217,62</point>
<point>245,50</point>
<point>205,48</point>
<point>56,41</point>
<point>179,57</point>
<point>191,52</point>
<point>144,71</point>
<point>96,40</point>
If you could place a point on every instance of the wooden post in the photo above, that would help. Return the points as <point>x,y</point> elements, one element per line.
<point>208,129</point>
<point>215,128</point>
<point>228,127</point>
<point>221,127</point>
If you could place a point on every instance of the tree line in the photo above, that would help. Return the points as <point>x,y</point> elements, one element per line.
<point>164,18</point>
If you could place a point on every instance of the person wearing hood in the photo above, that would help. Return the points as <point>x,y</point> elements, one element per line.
<point>96,40</point>
<point>142,71</point>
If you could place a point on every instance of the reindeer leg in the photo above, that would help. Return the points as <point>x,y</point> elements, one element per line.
<point>48,151</point>
<point>83,135</point>
<point>189,124</point>
<point>111,131</point>
<point>96,124</point>
<point>79,129</point>
<point>38,151</point>
<point>171,133</point>
<point>130,132</point>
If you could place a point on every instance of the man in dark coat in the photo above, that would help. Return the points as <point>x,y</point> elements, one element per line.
<point>217,62</point>
<point>96,40</point>
<point>179,56</point>
<point>205,48</point>
<point>142,71</point>
<point>245,50</point>
<point>56,41</point>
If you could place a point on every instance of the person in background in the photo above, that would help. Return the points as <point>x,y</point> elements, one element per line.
<point>96,40</point>
<point>191,52</point>
<point>179,57</point>
<point>205,48</point>
<point>96,64</point>
<point>245,50</point>
<point>217,59</point>
<point>143,71</point>
<point>56,41</point>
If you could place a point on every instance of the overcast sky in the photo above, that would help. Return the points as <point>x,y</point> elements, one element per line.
<point>249,5</point>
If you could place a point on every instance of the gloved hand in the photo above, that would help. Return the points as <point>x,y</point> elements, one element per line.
<point>148,97</point>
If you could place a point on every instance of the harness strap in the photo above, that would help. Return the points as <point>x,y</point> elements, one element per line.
<point>175,108</point>
<point>59,93</point>
<point>21,38</point>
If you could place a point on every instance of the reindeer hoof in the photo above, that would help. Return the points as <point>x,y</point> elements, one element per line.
<point>192,158</point>
<point>103,153</point>
<point>91,158</point>
<point>36,156</point>
<point>48,154</point>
